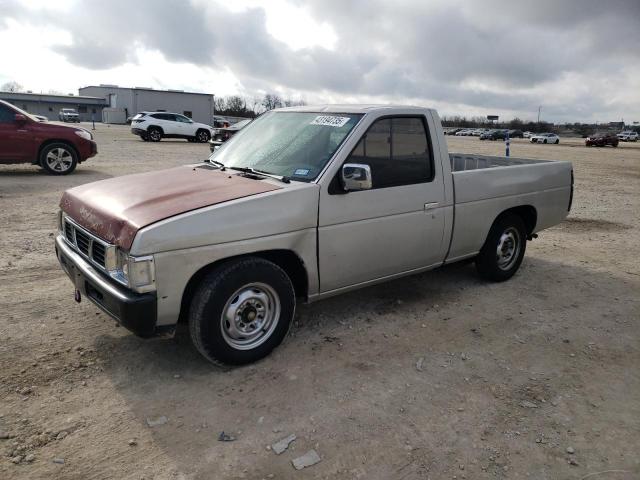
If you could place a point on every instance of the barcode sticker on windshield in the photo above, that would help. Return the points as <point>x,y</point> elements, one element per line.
<point>330,121</point>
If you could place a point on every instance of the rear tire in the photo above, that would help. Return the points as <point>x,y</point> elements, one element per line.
<point>241,311</point>
<point>58,158</point>
<point>154,134</point>
<point>503,251</point>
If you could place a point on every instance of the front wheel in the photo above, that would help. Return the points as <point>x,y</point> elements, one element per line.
<point>58,159</point>
<point>242,311</point>
<point>202,136</point>
<point>557,142</point>
<point>503,251</point>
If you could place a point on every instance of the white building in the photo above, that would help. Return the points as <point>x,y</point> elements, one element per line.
<point>125,102</point>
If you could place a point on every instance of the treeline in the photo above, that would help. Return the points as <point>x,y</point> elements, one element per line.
<point>239,106</point>
<point>482,122</point>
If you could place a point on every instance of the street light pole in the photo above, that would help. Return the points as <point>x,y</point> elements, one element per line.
<point>539,108</point>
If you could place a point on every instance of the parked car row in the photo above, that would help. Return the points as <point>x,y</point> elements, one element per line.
<point>501,134</point>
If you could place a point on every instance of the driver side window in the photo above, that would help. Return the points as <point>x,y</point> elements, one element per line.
<point>397,150</point>
<point>6,115</point>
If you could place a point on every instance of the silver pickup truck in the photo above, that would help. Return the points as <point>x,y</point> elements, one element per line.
<point>302,204</point>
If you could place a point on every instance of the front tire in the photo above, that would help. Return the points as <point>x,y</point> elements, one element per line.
<point>503,251</point>
<point>241,311</point>
<point>58,158</point>
<point>202,136</point>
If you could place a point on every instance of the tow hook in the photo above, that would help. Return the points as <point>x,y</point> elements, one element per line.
<point>532,236</point>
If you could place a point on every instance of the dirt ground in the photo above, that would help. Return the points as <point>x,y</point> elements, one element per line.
<point>434,376</point>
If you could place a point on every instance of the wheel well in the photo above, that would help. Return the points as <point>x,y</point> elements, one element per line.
<point>150,127</point>
<point>49,142</point>
<point>528,215</point>
<point>285,259</point>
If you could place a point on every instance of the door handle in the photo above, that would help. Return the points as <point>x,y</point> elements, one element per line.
<point>430,206</point>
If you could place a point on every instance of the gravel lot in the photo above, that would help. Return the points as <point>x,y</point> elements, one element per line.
<point>434,376</point>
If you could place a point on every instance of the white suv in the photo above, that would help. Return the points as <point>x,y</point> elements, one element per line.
<point>628,136</point>
<point>154,126</point>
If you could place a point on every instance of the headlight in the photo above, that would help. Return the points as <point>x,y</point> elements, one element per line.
<point>84,134</point>
<point>137,273</point>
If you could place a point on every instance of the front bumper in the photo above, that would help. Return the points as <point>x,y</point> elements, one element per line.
<point>214,144</point>
<point>136,312</point>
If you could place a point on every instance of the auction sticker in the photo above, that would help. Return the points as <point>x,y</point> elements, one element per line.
<point>330,121</point>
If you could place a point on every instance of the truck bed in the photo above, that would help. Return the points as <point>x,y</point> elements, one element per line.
<point>462,162</point>
<point>484,186</point>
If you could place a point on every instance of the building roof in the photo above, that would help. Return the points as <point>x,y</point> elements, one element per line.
<point>53,98</point>
<point>148,89</point>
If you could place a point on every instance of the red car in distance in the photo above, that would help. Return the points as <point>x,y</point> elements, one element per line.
<point>602,140</point>
<point>56,148</point>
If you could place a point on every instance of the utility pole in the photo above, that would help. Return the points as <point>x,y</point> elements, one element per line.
<point>539,108</point>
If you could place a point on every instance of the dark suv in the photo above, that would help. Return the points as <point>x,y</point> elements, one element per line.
<point>602,140</point>
<point>56,148</point>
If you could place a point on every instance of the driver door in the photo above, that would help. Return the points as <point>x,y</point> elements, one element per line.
<point>394,227</point>
<point>14,138</point>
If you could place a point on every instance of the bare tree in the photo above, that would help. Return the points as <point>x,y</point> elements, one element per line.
<point>271,101</point>
<point>220,105</point>
<point>236,105</point>
<point>12,86</point>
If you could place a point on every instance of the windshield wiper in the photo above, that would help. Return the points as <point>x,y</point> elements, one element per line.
<point>216,163</point>
<point>255,171</point>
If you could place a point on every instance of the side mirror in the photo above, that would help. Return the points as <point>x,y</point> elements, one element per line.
<point>20,118</point>
<point>356,176</point>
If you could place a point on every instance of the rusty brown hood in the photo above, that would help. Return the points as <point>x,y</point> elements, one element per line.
<point>115,209</point>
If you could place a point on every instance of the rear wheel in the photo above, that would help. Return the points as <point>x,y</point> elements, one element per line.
<point>241,311</point>
<point>58,159</point>
<point>503,251</point>
<point>154,134</point>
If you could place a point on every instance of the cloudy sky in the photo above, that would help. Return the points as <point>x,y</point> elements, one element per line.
<point>578,59</point>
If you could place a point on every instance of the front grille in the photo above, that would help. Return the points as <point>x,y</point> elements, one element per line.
<point>97,253</point>
<point>83,242</point>
<point>88,245</point>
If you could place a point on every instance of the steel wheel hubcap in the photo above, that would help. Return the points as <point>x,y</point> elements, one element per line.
<point>250,316</point>
<point>508,248</point>
<point>59,159</point>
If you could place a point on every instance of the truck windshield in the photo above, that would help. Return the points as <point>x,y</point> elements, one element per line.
<point>293,144</point>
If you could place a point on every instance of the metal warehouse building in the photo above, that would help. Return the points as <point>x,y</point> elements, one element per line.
<point>49,105</point>
<point>125,102</point>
